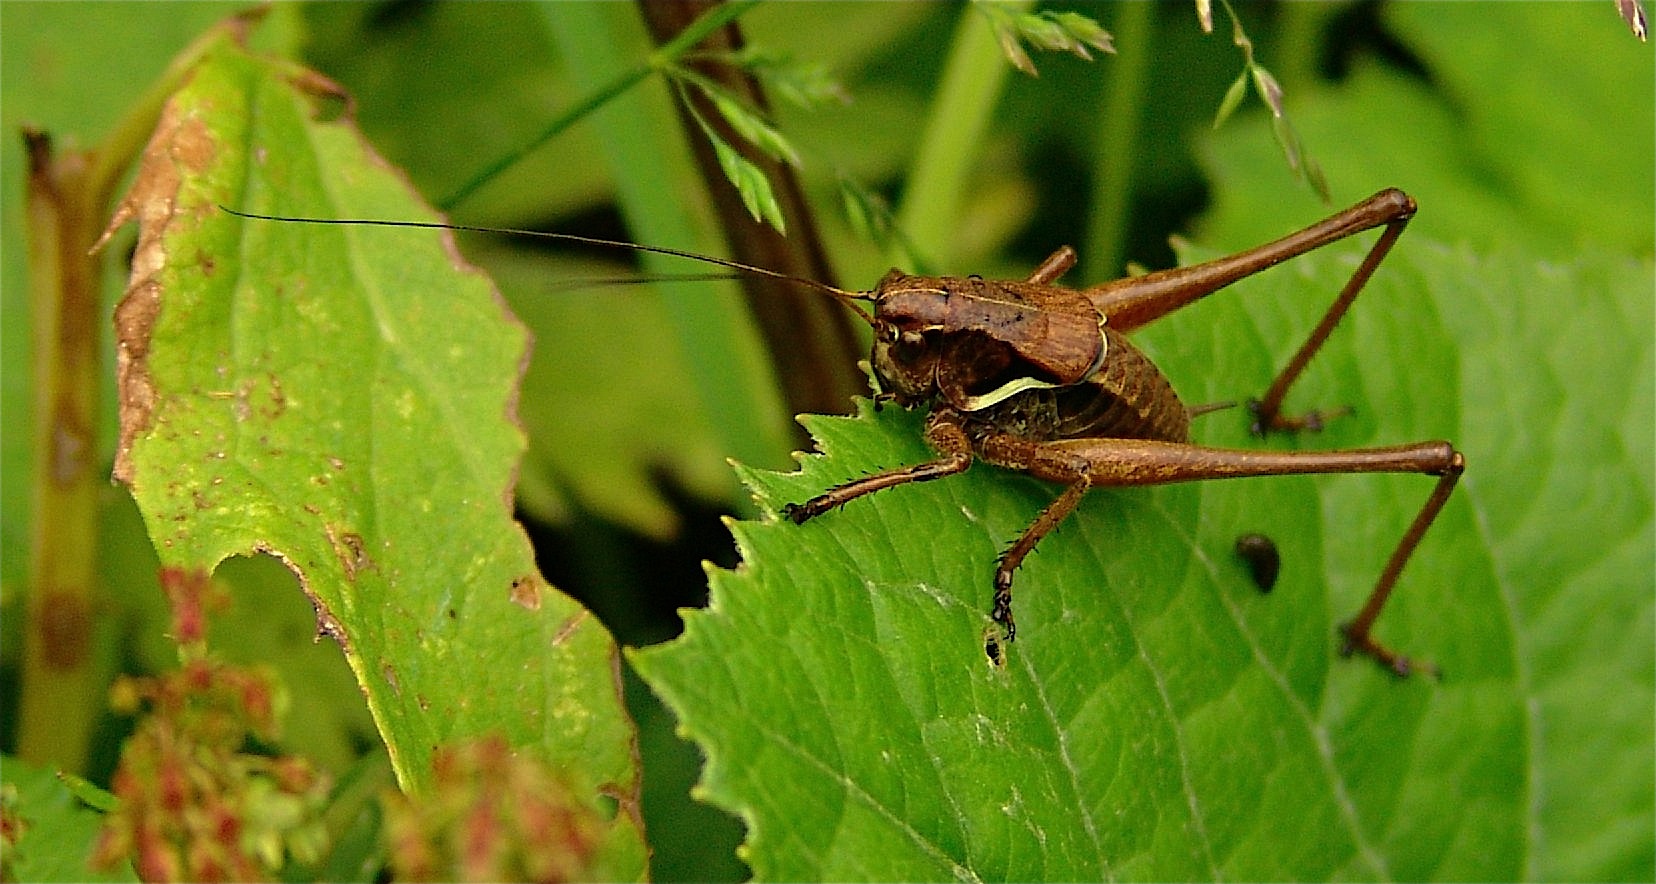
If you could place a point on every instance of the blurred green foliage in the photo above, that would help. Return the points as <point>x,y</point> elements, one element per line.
<point>1524,130</point>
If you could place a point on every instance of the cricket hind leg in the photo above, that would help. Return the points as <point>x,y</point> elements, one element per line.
<point>1267,409</point>
<point>1082,464</point>
<point>1139,300</point>
<point>1357,631</point>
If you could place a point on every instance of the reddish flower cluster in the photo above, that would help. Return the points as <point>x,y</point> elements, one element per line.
<point>194,805</point>
<point>491,815</point>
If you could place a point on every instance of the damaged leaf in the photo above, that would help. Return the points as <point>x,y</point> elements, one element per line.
<point>345,401</point>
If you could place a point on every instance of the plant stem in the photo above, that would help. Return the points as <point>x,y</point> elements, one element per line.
<point>58,706</point>
<point>1117,142</point>
<point>810,339</point>
<point>950,142</point>
<point>729,374</point>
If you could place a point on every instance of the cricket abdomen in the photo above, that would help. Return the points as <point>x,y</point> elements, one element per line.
<point>1126,398</point>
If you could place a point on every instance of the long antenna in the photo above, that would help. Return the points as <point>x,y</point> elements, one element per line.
<point>849,299</point>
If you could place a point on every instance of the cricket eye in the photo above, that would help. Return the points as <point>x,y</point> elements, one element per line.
<point>908,346</point>
<point>905,347</point>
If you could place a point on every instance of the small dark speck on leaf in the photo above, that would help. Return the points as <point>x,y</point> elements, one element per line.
<point>1260,554</point>
<point>993,648</point>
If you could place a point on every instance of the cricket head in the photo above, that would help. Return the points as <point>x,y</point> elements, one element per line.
<point>976,343</point>
<point>908,344</point>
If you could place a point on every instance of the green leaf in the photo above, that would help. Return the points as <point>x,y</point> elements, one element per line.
<point>1564,492</point>
<point>748,179</point>
<point>1561,174</point>
<point>1554,111</point>
<point>1158,718</point>
<point>635,419</point>
<point>1233,99</point>
<point>57,832</point>
<point>343,400</point>
<point>744,120</point>
<point>804,84</point>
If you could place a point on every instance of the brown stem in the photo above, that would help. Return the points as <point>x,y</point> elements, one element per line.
<point>812,342</point>
<point>58,699</point>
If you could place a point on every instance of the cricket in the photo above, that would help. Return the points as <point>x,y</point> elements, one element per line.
<point>1033,376</point>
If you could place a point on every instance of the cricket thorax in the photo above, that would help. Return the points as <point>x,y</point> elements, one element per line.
<point>1127,397</point>
<point>970,371</point>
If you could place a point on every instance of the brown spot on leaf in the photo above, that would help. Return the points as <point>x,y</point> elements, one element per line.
<point>329,100</point>
<point>327,625</point>
<point>278,399</point>
<point>526,592</point>
<point>350,550</point>
<point>181,144</point>
<point>569,627</point>
<point>994,649</point>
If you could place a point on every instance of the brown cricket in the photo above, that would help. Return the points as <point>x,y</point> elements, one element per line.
<point>1033,376</point>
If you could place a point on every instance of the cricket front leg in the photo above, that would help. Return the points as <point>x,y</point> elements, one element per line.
<point>1146,462</point>
<point>946,435</point>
